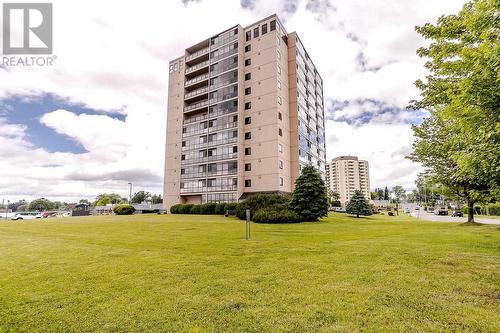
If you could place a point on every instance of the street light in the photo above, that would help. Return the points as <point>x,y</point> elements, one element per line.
<point>130,194</point>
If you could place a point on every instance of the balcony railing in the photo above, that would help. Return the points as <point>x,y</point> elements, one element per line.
<point>195,106</point>
<point>197,66</point>
<point>209,158</point>
<point>210,144</point>
<point>197,54</point>
<point>199,189</point>
<point>209,174</point>
<point>196,79</point>
<point>196,92</point>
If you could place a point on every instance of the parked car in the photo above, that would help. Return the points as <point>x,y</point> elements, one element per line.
<point>417,208</point>
<point>339,210</point>
<point>457,213</point>
<point>441,211</point>
<point>26,216</point>
<point>407,211</point>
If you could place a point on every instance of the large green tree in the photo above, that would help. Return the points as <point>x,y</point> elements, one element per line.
<point>41,205</point>
<point>141,196</point>
<point>108,198</point>
<point>458,144</point>
<point>310,199</point>
<point>358,205</point>
<point>399,193</point>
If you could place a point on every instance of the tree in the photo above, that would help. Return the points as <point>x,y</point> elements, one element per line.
<point>380,194</point>
<point>386,193</point>
<point>140,196</point>
<point>156,199</point>
<point>399,193</point>
<point>41,205</point>
<point>108,198</point>
<point>358,205</point>
<point>310,199</point>
<point>84,202</point>
<point>458,144</point>
<point>374,195</point>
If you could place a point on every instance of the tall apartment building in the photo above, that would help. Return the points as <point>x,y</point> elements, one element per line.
<point>345,174</point>
<point>245,112</point>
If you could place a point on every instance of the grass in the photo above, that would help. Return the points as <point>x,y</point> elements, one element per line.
<point>197,273</point>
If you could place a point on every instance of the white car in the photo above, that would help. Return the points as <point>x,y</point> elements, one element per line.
<point>26,216</point>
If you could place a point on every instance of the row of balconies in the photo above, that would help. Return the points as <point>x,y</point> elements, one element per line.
<point>209,158</point>
<point>209,174</point>
<point>201,189</point>
<point>209,144</point>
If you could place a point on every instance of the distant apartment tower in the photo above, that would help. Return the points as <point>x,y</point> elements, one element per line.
<point>245,113</point>
<point>345,174</point>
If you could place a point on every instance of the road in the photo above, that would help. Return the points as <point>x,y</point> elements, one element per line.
<point>441,218</point>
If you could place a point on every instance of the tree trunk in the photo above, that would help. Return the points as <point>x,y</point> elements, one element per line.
<point>357,215</point>
<point>470,210</point>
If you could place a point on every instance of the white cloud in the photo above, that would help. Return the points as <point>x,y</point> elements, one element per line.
<point>114,56</point>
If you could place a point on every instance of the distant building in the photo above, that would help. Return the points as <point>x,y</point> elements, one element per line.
<point>345,174</point>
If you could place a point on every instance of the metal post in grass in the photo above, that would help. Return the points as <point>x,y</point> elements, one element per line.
<point>247,234</point>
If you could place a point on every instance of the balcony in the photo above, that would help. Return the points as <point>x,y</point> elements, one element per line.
<point>197,68</point>
<point>209,158</point>
<point>202,189</point>
<point>196,93</point>
<point>196,82</point>
<point>196,106</point>
<point>193,57</point>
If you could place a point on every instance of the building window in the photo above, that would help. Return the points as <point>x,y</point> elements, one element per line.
<point>280,164</point>
<point>248,166</point>
<point>248,135</point>
<point>248,48</point>
<point>281,181</point>
<point>279,116</point>
<point>280,132</point>
<point>248,35</point>
<point>248,151</point>
<point>183,157</point>
<point>279,100</point>
<point>248,76</point>
<point>248,105</point>
<point>279,85</point>
<point>248,120</point>
<point>264,29</point>
<point>256,32</point>
<point>248,91</point>
<point>279,69</point>
<point>248,62</point>
<point>280,147</point>
<point>272,25</point>
<point>235,149</point>
<point>248,183</point>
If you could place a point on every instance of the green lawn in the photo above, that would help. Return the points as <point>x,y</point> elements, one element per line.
<point>198,273</point>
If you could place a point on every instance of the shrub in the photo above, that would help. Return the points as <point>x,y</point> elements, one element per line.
<point>185,209</point>
<point>124,209</point>
<point>231,207</point>
<point>195,209</point>
<point>275,214</point>
<point>219,208</point>
<point>259,201</point>
<point>175,209</point>
<point>207,208</point>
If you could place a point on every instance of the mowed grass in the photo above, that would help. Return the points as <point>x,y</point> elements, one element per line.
<point>177,273</point>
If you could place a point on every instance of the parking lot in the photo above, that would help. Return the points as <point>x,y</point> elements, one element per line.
<point>420,214</point>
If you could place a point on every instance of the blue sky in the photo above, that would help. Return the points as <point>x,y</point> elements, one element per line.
<point>28,111</point>
<point>95,120</point>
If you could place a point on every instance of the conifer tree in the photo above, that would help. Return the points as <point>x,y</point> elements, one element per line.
<point>310,199</point>
<point>358,205</point>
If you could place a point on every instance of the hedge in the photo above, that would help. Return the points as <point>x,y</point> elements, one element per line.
<point>275,215</point>
<point>205,209</point>
<point>124,209</point>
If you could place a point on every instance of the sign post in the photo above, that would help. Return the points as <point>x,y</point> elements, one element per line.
<point>247,234</point>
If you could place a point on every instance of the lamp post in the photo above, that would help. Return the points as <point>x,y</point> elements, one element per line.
<point>130,194</point>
